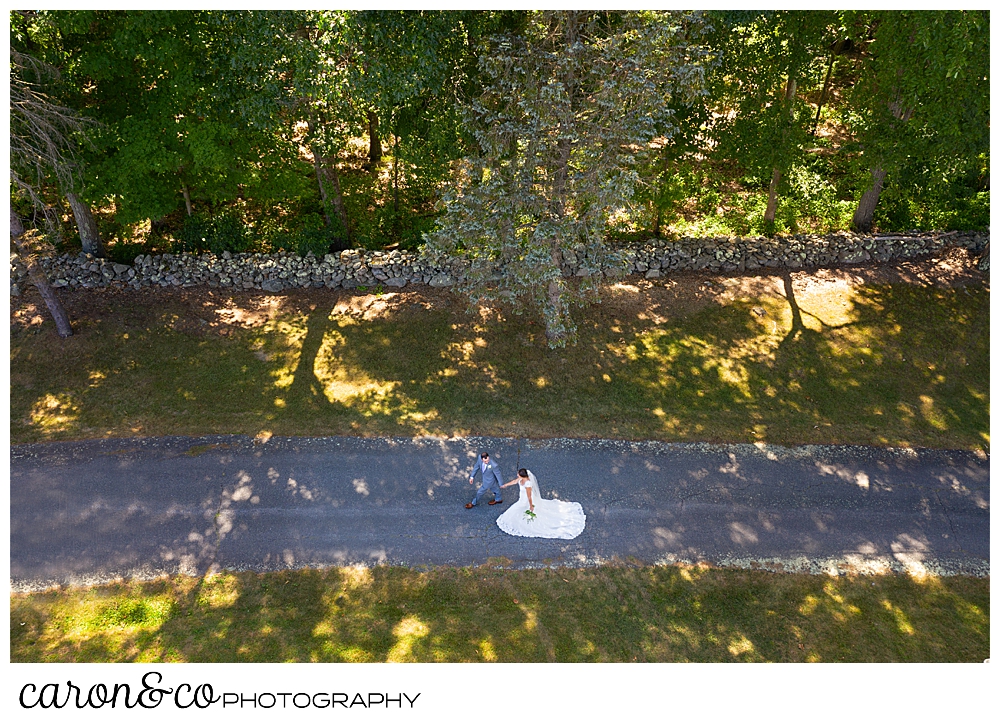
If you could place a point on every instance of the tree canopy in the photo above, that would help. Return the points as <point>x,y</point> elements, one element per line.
<point>512,137</point>
<point>567,105</point>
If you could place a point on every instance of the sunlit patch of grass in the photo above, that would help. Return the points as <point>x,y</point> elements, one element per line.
<point>345,385</point>
<point>281,343</point>
<point>218,592</point>
<point>902,623</point>
<point>54,413</point>
<point>740,646</point>
<point>131,614</point>
<point>930,414</point>
<point>409,633</point>
<point>640,614</point>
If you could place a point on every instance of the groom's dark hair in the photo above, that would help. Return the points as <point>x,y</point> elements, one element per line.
<point>484,455</point>
<point>522,472</point>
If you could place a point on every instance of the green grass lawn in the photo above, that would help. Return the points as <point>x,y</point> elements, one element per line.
<point>740,361</point>
<point>626,614</point>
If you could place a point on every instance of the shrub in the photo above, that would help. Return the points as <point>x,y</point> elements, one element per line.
<point>311,235</point>
<point>124,252</point>
<point>225,232</point>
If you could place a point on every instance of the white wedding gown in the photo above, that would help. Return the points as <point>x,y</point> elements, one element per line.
<point>554,518</point>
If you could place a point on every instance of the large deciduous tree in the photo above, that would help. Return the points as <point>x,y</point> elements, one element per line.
<point>320,98</point>
<point>566,106</point>
<point>767,59</point>
<point>923,94</point>
<point>187,103</point>
<point>408,73</point>
<point>36,79</point>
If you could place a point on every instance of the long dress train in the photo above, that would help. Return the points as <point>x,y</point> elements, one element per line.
<point>553,518</point>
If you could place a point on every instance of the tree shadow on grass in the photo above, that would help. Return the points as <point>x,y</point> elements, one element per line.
<point>474,614</point>
<point>909,366</point>
<point>894,364</point>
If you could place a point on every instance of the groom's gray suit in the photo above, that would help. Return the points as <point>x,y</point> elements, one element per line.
<point>491,479</point>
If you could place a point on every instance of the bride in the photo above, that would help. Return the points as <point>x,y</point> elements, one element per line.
<point>532,516</point>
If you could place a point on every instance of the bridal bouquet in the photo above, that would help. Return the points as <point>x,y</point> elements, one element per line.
<point>530,515</point>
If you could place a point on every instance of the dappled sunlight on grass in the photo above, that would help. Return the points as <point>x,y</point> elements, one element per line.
<point>902,623</point>
<point>776,359</point>
<point>410,633</point>
<point>219,592</point>
<point>279,344</point>
<point>356,577</point>
<point>127,614</point>
<point>346,384</point>
<point>741,648</point>
<point>55,413</point>
<point>931,415</point>
<point>486,614</point>
<point>832,375</point>
<point>486,651</point>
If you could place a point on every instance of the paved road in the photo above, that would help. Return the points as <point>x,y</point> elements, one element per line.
<point>85,512</point>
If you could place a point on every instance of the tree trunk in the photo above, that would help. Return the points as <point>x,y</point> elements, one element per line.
<point>338,198</point>
<point>90,236</point>
<point>772,194</point>
<point>772,197</point>
<point>330,171</point>
<point>37,276</point>
<point>822,95</point>
<point>555,330</point>
<point>187,199</point>
<point>565,144</point>
<point>322,189</point>
<point>657,206</point>
<point>395,177</point>
<point>555,322</point>
<point>374,142</point>
<point>865,212</point>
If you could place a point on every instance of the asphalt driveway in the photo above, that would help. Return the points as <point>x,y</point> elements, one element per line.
<point>90,511</point>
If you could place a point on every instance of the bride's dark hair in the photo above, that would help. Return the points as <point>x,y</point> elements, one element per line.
<point>522,472</point>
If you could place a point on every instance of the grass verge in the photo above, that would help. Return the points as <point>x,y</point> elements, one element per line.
<point>777,359</point>
<point>607,614</point>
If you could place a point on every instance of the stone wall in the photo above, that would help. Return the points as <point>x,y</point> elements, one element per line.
<point>349,269</point>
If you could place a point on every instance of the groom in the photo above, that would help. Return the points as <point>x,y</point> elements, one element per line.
<point>491,481</point>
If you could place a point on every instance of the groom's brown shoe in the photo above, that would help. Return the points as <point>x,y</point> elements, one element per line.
<point>496,502</point>
<point>469,506</point>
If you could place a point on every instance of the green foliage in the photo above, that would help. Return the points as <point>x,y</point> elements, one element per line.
<point>22,205</point>
<point>919,198</point>
<point>179,101</point>
<point>469,110</point>
<point>760,53</point>
<point>125,252</point>
<point>923,91</point>
<point>562,105</point>
<point>406,227</point>
<point>224,232</point>
<point>815,201</point>
<point>311,236</point>
<point>921,100</point>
